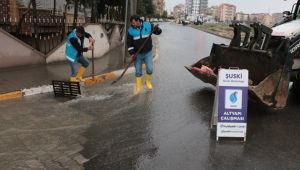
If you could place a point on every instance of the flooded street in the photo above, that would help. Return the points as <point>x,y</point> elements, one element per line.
<point>168,128</point>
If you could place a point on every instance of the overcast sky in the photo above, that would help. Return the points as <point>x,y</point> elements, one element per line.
<point>247,6</point>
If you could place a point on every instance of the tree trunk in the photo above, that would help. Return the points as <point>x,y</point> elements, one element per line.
<point>64,23</point>
<point>19,28</point>
<point>34,13</point>
<point>54,8</point>
<point>84,12</point>
<point>75,13</point>
<point>132,7</point>
<point>93,16</point>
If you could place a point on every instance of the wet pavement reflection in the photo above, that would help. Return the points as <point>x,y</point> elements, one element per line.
<point>168,128</point>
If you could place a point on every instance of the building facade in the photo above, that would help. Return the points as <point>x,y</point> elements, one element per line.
<point>196,7</point>
<point>213,12</point>
<point>263,18</point>
<point>227,12</point>
<point>242,17</point>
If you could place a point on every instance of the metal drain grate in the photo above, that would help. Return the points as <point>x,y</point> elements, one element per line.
<point>66,88</point>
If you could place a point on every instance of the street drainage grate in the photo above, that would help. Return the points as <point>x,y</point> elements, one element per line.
<point>66,88</point>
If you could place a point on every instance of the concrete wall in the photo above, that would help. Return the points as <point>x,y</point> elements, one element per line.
<point>101,45</point>
<point>115,38</point>
<point>14,52</point>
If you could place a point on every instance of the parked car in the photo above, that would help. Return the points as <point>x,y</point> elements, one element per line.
<point>185,22</point>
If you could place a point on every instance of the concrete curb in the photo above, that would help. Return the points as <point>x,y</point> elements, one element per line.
<point>89,81</point>
<point>115,74</point>
<point>11,95</point>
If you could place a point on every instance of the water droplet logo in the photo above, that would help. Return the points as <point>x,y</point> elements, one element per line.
<point>233,97</point>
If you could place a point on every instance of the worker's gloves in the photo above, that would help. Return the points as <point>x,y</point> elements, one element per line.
<point>133,57</point>
<point>91,47</point>
<point>156,30</point>
<point>92,41</point>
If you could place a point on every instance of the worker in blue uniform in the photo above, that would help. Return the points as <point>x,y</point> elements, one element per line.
<point>139,38</point>
<point>74,52</point>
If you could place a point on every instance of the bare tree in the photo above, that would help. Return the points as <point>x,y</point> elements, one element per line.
<point>34,13</point>
<point>76,5</point>
<point>54,8</point>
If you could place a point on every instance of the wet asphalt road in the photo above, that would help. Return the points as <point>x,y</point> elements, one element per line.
<point>167,128</point>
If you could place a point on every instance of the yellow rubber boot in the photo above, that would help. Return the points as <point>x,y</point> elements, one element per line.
<point>139,85</point>
<point>148,81</point>
<point>80,73</point>
<point>73,79</point>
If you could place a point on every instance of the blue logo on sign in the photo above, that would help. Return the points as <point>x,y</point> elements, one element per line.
<point>233,97</point>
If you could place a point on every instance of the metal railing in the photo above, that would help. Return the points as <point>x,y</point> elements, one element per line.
<point>46,34</point>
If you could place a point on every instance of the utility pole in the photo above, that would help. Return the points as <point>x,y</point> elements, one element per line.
<point>131,6</point>
<point>125,32</point>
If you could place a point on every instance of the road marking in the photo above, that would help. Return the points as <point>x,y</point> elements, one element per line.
<point>11,95</point>
<point>37,90</point>
<point>99,79</point>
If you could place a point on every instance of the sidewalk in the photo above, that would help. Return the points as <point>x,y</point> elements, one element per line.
<point>13,79</point>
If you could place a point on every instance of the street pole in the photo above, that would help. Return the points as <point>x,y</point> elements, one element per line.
<point>125,32</point>
<point>93,64</point>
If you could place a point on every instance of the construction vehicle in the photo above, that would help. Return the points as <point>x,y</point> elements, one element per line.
<point>272,57</point>
<point>199,20</point>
